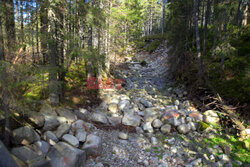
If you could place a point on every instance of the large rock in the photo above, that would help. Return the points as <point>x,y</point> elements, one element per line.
<point>80,124</point>
<point>42,146</point>
<point>166,128</point>
<point>147,127</point>
<point>174,121</point>
<point>124,105</point>
<point>146,103</point>
<point>93,145</point>
<point>150,115</point>
<point>113,108</point>
<point>67,113</point>
<point>183,128</point>
<point>47,110</point>
<point>123,136</point>
<point>82,114</point>
<point>27,155</point>
<point>64,155</point>
<point>157,123</point>
<point>25,135</point>
<point>211,116</point>
<point>50,137</point>
<point>36,119</point>
<point>131,120</point>
<point>81,135</point>
<point>140,106</point>
<point>5,159</point>
<point>72,140</point>
<point>51,123</point>
<point>115,121</point>
<point>62,129</point>
<point>99,117</point>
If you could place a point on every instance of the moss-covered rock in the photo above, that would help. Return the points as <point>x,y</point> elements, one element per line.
<point>203,126</point>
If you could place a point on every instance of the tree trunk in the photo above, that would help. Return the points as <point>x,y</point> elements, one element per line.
<point>10,24</point>
<point>202,16</point>
<point>90,63</point>
<point>44,29</point>
<point>53,68</point>
<point>37,30</point>
<point>163,16</point>
<point>1,40</point>
<point>17,17</point>
<point>246,14</point>
<point>205,27</point>
<point>22,24</point>
<point>200,68</point>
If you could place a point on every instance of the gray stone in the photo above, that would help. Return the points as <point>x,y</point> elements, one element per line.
<point>147,127</point>
<point>174,121</point>
<point>192,125</point>
<point>70,139</point>
<point>123,136</point>
<point>154,140</point>
<point>26,154</point>
<point>37,119</point>
<point>157,123</point>
<point>196,162</point>
<point>150,115</point>
<point>82,114</point>
<point>99,117</point>
<point>99,165</point>
<point>183,128</point>
<point>211,116</point>
<point>166,128</point>
<point>173,150</point>
<point>67,113</point>
<point>64,155</point>
<point>177,102</point>
<point>113,108</point>
<point>115,121</point>
<point>140,106</point>
<point>124,105</point>
<point>229,164</point>
<point>61,120</point>
<point>51,123</point>
<point>62,129</point>
<point>81,135</point>
<point>93,145</point>
<point>139,130</point>
<point>79,124</point>
<point>124,97</point>
<point>25,135</point>
<point>224,158</point>
<point>42,146</point>
<point>131,120</point>
<point>6,159</point>
<point>47,109</point>
<point>50,137</point>
<point>146,103</point>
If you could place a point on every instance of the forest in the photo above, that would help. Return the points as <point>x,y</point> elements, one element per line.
<point>124,83</point>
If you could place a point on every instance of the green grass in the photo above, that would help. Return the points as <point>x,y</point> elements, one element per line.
<point>239,150</point>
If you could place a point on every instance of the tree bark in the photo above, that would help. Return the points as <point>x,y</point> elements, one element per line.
<point>200,68</point>
<point>163,16</point>
<point>205,27</point>
<point>1,40</point>
<point>44,29</point>
<point>10,24</point>
<point>246,14</point>
<point>37,29</point>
